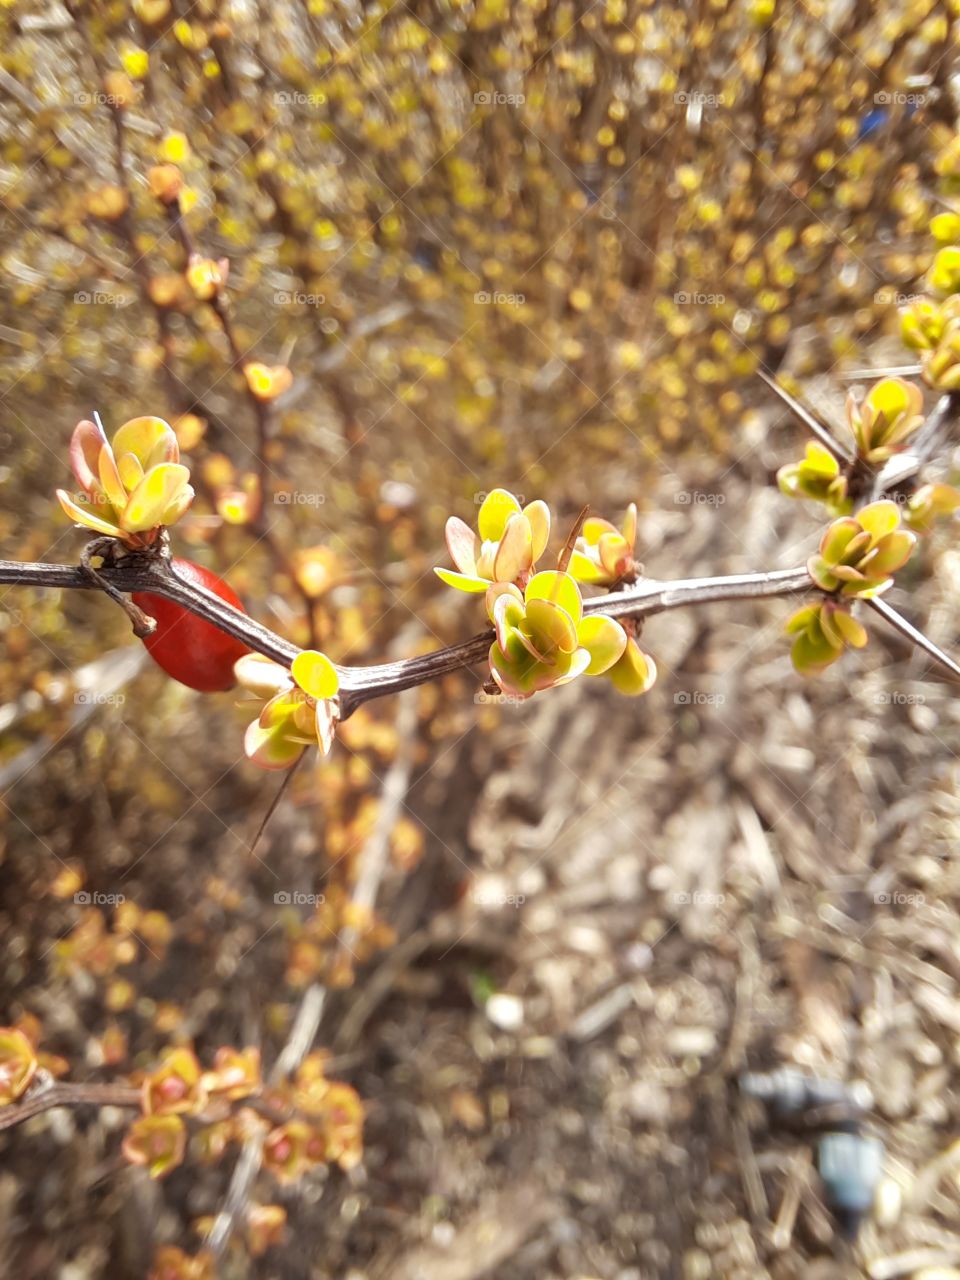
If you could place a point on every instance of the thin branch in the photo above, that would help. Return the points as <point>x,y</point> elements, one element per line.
<point>145,573</point>
<point>152,573</point>
<point>46,1094</point>
<point>238,356</point>
<point>809,420</point>
<point>900,623</point>
<point>53,1095</point>
<point>361,684</point>
<point>931,438</point>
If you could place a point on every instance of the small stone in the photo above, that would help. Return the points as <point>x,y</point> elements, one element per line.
<point>505,1011</point>
<point>696,1265</point>
<point>888,1202</point>
<point>685,1042</point>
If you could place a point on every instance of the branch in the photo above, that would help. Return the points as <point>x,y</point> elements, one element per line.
<point>54,1094</point>
<point>928,441</point>
<point>900,623</point>
<point>46,1094</point>
<point>360,684</point>
<point>809,420</point>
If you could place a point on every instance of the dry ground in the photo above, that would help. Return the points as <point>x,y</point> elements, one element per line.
<point>702,876</point>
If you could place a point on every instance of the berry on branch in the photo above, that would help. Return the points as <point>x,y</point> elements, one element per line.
<point>189,649</point>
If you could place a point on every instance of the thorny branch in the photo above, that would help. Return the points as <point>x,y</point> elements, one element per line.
<point>46,1094</point>
<point>144,571</point>
<point>50,1094</point>
<point>147,572</point>
<point>152,571</point>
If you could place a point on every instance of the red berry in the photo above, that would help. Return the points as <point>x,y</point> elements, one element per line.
<point>190,650</point>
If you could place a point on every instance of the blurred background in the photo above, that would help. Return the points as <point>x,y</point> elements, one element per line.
<point>545,246</point>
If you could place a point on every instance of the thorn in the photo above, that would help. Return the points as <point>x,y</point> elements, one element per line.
<point>900,623</point>
<point>890,371</point>
<point>809,419</point>
<point>272,807</point>
<point>564,558</point>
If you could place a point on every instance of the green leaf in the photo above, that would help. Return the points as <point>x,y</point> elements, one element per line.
<point>82,516</point>
<point>462,545</point>
<point>315,674</point>
<point>893,553</point>
<point>270,748</point>
<point>604,639</point>
<point>508,613</point>
<point>802,619</point>
<point>150,440</point>
<point>822,573</point>
<point>514,554</point>
<point>130,470</point>
<point>461,581</point>
<point>550,627</point>
<point>851,631</point>
<point>497,508</point>
<point>836,538</point>
<point>559,588</point>
<point>812,653</point>
<point>110,480</point>
<point>634,672</point>
<point>538,516</point>
<point>153,495</point>
<point>583,569</point>
<point>879,518</point>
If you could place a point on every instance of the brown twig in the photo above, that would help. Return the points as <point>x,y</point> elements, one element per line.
<point>143,625</point>
<point>238,358</point>
<point>809,420</point>
<point>916,637</point>
<point>49,1094</point>
<point>138,572</point>
<point>68,1095</point>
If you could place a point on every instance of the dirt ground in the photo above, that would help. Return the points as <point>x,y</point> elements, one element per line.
<point>740,870</point>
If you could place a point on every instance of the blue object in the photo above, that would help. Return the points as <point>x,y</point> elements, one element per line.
<point>850,1166</point>
<point>874,120</point>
